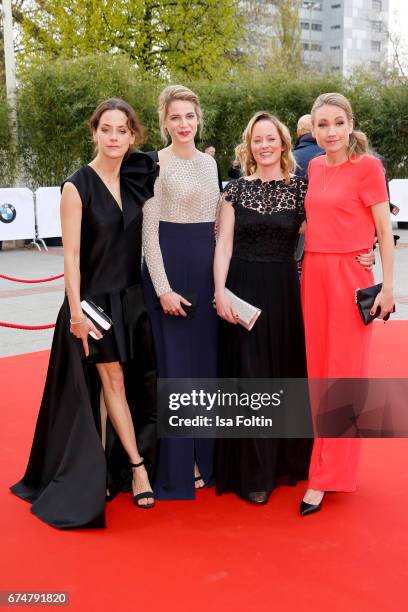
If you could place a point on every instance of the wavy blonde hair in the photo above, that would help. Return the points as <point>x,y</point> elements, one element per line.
<point>169,95</point>
<point>244,153</point>
<point>358,143</point>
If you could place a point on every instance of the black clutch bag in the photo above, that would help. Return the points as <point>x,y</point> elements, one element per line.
<point>365,300</point>
<point>99,318</point>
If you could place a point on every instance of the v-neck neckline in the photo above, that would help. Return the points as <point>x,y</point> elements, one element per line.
<point>107,188</point>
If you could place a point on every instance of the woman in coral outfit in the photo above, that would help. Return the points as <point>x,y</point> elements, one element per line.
<point>346,205</point>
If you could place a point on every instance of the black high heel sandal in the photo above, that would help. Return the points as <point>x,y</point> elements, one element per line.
<point>196,479</point>
<point>145,494</point>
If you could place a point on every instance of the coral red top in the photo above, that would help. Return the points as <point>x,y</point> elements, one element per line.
<point>338,201</point>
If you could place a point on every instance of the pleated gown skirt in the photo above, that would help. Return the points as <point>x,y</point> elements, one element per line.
<point>274,348</point>
<point>337,346</point>
<point>186,347</point>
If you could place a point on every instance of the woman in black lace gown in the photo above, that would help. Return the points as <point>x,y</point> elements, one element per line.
<point>260,219</point>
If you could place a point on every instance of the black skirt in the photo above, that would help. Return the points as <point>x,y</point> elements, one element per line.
<point>185,347</point>
<point>68,470</point>
<point>274,348</point>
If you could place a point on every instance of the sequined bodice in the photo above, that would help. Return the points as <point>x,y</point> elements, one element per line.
<point>267,217</point>
<point>185,192</point>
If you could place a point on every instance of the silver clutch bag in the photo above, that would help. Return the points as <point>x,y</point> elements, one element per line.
<point>247,314</point>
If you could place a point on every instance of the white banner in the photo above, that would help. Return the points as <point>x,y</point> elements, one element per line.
<point>47,200</point>
<point>17,221</point>
<point>399,197</point>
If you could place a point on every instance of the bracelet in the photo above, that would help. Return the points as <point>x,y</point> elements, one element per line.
<point>73,322</point>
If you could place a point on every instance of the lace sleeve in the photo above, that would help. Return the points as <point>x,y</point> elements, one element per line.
<point>151,245</point>
<point>231,193</point>
<point>300,200</point>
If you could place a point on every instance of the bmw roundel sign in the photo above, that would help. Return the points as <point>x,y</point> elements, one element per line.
<point>7,213</point>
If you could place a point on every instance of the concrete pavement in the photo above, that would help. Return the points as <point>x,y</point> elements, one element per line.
<point>36,304</point>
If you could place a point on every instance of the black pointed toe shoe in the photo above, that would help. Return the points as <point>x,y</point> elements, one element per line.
<point>306,508</point>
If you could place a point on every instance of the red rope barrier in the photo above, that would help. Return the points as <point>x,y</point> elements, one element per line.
<point>30,327</point>
<point>23,280</point>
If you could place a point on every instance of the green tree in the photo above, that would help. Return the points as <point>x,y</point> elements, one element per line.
<point>2,66</point>
<point>272,30</point>
<point>55,102</point>
<point>8,157</point>
<point>163,37</point>
<point>285,44</point>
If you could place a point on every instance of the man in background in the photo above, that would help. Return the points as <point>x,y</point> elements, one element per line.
<point>210,150</point>
<point>306,147</point>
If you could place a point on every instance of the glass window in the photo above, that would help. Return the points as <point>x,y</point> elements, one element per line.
<point>305,46</point>
<point>316,47</point>
<point>335,47</point>
<point>335,27</point>
<point>375,45</point>
<point>376,5</point>
<point>305,25</point>
<point>336,5</point>
<point>317,27</point>
<point>376,26</point>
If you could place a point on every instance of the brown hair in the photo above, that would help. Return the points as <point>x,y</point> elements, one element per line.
<point>133,122</point>
<point>358,143</point>
<point>177,92</point>
<point>244,153</point>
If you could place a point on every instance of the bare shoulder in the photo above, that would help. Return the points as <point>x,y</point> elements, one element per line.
<point>70,193</point>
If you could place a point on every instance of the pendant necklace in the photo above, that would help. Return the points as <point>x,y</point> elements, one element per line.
<point>333,176</point>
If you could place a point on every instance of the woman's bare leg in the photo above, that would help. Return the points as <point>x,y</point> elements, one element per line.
<point>113,386</point>
<point>199,484</point>
<point>104,416</point>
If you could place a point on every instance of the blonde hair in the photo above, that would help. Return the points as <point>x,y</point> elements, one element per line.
<point>358,143</point>
<point>244,153</point>
<point>169,95</point>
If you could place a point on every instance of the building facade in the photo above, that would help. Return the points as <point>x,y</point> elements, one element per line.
<point>344,34</point>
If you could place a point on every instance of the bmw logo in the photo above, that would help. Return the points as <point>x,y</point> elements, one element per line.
<point>7,213</point>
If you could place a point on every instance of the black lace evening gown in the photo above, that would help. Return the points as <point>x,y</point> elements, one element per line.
<point>263,272</point>
<point>68,469</point>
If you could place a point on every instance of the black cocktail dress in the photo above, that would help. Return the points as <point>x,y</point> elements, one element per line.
<point>69,470</point>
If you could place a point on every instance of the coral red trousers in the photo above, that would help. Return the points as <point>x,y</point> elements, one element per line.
<point>337,346</point>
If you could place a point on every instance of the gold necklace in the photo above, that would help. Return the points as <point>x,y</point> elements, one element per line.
<point>325,185</point>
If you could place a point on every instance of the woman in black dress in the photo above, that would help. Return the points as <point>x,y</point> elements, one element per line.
<point>70,470</point>
<point>259,223</point>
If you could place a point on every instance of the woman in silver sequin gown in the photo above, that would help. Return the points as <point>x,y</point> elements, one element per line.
<point>178,244</point>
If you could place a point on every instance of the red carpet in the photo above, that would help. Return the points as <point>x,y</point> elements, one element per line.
<point>217,553</point>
